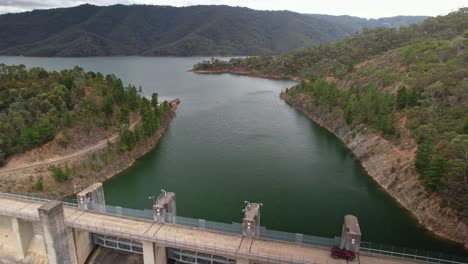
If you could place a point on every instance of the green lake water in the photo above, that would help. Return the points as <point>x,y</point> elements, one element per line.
<point>233,140</point>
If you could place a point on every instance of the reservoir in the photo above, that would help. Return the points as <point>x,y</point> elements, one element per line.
<point>234,140</point>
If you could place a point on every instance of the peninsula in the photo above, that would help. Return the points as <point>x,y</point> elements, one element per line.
<point>62,131</point>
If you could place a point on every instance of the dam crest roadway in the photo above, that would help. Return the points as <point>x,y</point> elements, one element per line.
<point>45,231</point>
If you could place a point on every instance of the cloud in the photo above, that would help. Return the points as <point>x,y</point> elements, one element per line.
<point>7,6</point>
<point>26,4</point>
<point>362,8</point>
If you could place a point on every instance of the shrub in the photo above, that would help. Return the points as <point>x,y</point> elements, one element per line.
<point>61,175</point>
<point>39,185</point>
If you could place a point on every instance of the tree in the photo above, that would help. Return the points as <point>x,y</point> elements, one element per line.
<point>139,133</point>
<point>412,98</point>
<point>67,80</point>
<point>435,172</point>
<point>44,131</point>
<point>117,87</point>
<point>26,138</point>
<point>465,36</point>
<point>124,116</point>
<point>127,139</point>
<point>457,153</point>
<point>435,96</point>
<point>423,156</point>
<point>348,111</point>
<point>17,120</point>
<point>154,101</point>
<point>402,98</point>
<point>2,153</point>
<point>67,119</point>
<point>45,106</point>
<point>386,114</point>
<point>131,97</point>
<point>108,106</point>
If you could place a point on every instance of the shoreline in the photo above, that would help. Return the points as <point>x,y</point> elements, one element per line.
<point>423,205</point>
<point>88,168</point>
<point>149,145</point>
<point>246,73</point>
<point>409,193</point>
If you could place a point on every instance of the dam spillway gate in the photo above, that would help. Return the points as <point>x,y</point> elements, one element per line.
<point>179,255</point>
<point>118,243</point>
<point>191,257</point>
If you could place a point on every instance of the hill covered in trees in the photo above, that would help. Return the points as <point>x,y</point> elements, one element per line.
<point>38,106</point>
<point>390,81</point>
<point>341,56</point>
<point>89,30</point>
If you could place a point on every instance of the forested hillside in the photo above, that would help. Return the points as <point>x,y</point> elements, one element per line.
<point>341,56</point>
<point>389,80</point>
<point>37,105</point>
<point>89,30</point>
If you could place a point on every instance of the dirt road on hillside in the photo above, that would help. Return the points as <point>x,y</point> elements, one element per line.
<point>84,151</point>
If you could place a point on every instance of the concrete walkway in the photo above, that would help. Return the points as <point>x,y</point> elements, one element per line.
<point>230,245</point>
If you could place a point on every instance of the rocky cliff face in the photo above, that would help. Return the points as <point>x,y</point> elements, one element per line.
<point>391,165</point>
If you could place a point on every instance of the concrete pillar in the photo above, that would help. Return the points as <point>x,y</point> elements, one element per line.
<point>92,198</point>
<point>154,254</point>
<point>84,245</point>
<point>351,234</point>
<point>251,221</point>
<point>60,246</point>
<point>161,257</point>
<point>165,209</point>
<point>148,253</point>
<point>24,232</point>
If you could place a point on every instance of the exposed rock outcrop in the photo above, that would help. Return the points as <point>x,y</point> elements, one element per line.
<point>391,165</point>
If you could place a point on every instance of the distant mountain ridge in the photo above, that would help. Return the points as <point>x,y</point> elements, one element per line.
<point>357,23</point>
<point>89,30</point>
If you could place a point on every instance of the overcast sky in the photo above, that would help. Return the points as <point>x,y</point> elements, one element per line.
<point>361,8</point>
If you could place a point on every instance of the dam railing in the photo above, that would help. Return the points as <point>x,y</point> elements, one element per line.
<point>367,248</point>
<point>377,249</point>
